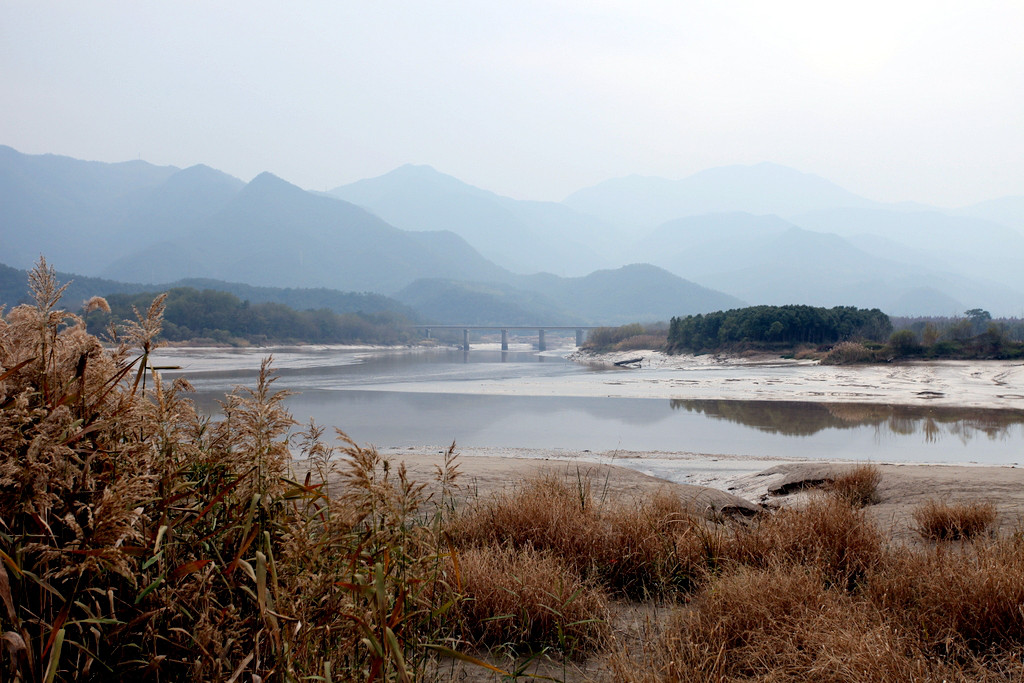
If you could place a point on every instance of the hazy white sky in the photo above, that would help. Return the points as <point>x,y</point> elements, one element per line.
<point>918,100</point>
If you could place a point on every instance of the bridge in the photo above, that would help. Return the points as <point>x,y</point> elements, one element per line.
<point>580,330</point>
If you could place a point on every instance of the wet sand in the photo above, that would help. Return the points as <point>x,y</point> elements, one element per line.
<point>971,384</point>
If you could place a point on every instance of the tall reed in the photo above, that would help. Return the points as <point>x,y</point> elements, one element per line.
<point>141,539</point>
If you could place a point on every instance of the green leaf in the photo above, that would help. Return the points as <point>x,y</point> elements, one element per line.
<point>51,667</point>
<point>156,558</point>
<point>149,589</point>
<point>396,652</point>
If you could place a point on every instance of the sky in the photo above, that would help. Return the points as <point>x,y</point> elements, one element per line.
<point>895,100</point>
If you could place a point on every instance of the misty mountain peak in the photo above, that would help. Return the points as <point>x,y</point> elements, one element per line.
<point>764,188</point>
<point>202,175</point>
<point>267,183</point>
<point>405,180</point>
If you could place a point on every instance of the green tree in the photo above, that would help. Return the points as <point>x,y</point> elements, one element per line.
<point>904,343</point>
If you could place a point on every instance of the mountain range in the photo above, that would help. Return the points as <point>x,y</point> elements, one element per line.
<point>627,249</point>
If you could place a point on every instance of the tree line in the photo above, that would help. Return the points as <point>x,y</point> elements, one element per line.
<point>221,317</point>
<point>775,327</point>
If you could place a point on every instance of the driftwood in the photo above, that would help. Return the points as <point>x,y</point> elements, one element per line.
<point>620,363</point>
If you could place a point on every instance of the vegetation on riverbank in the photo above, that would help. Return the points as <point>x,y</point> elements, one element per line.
<point>626,338</point>
<point>840,335</point>
<point>775,327</point>
<point>139,539</point>
<point>976,336</point>
<point>212,316</point>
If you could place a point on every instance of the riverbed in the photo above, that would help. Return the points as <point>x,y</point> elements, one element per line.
<point>543,404</point>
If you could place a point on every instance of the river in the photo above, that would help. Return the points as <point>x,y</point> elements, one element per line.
<point>484,398</point>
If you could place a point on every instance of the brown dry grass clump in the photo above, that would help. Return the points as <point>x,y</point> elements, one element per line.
<point>847,352</point>
<point>636,549</point>
<point>521,597</point>
<point>827,535</point>
<point>968,598</point>
<point>953,521</point>
<point>653,342</point>
<point>847,608</point>
<point>779,624</point>
<point>858,485</point>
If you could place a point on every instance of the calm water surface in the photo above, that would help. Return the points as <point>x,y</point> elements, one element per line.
<point>349,389</point>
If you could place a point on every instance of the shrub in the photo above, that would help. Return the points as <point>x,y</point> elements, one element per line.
<point>641,341</point>
<point>845,353</point>
<point>605,338</point>
<point>904,343</point>
<point>952,521</point>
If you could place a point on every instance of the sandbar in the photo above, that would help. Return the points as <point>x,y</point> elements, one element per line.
<point>973,384</point>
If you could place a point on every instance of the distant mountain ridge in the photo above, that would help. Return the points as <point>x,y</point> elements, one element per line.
<point>774,261</point>
<point>14,291</point>
<point>637,202</point>
<point>276,234</point>
<point>523,236</point>
<point>758,234</point>
<point>166,225</point>
<point>633,293</point>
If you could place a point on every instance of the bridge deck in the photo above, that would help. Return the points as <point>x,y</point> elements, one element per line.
<point>503,327</point>
<point>580,330</point>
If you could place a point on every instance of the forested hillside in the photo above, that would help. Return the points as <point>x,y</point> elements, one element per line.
<point>775,326</point>
<point>220,317</point>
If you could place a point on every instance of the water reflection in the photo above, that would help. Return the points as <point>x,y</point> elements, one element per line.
<point>350,388</point>
<point>799,418</point>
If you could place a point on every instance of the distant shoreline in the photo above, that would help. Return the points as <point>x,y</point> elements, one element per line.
<point>996,384</point>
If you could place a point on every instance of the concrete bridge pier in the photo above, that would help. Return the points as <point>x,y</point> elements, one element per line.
<point>579,338</point>
<point>504,340</point>
<point>541,346</point>
<point>465,340</point>
<point>426,333</point>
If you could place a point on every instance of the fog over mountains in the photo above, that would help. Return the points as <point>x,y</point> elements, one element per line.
<point>457,253</point>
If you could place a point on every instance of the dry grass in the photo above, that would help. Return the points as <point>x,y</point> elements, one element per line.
<point>966,598</point>
<point>828,535</point>
<point>525,598</point>
<point>778,613</point>
<point>779,624</point>
<point>858,485</point>
<point>954,521</point>
<point>140,539</point>
<point>544,512</point>
<point>636,549</point>
<point>847,352</point>
<point>642,341</point>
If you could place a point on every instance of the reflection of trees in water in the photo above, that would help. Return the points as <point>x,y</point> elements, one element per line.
<point>797,418</point>
<point>790,418</point>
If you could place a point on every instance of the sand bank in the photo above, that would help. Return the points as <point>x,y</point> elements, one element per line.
<point>973,384</point>
<point>730,483</point>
